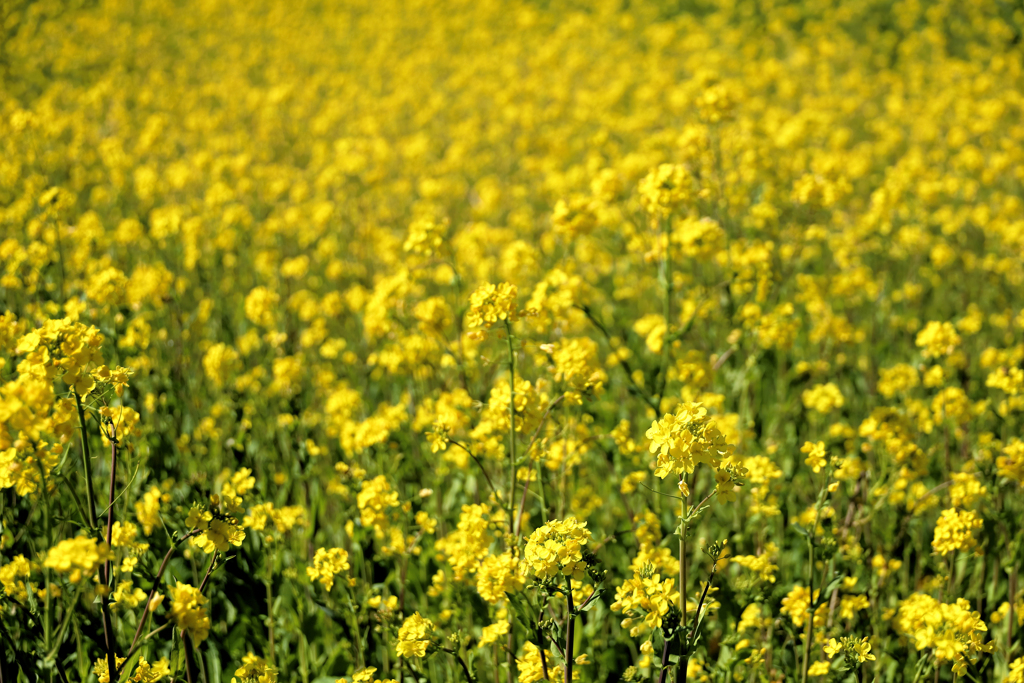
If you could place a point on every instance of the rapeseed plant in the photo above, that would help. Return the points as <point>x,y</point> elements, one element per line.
<point>356,341</point>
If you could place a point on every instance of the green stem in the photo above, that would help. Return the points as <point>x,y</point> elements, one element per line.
<point>462,663</point>
<point>511,427</point>
<point>270,611</point>
<point>355,629</point>
<point>156,585</point>
<point>570,629</point>
<point>666,275</point>
<point>90,498</point>
<point>640,391</point>
<point>191,670</point>
<point>108,627</point>
<point>518,528</point>
<point>541,645</point>
<point>683,580</point>
<point>810,584</point>
<point>479,464</point>
<point>48,530</point>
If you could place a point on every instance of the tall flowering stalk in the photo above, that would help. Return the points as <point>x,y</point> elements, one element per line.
<point>684,440</point>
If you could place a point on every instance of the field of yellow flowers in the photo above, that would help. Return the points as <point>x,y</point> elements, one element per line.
<point>511,340</point>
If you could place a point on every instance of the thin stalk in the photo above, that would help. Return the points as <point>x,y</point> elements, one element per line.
<point>110,493</point>
<point>190,658</point>
<point>90,497</point>
<point>664,663</point>
<point>108,628</point>
<point>1010,615</point>
<point>156,584</point>
<point>666,274</point>
<point>682,585</point>
<point>541,647</point>
<point>511,425</point>
<point>74,497</point>
<point>479,464</point>
<point>462,663</point>
<point>622,361</point>
<point>810,587</point>
<point>355,629</point>
<point>570,632</point>
<point>540,482</point>
<point>510,644</point>
<point>47,527</point>
<point>810,617</point>
<point>540,485</point>
<point>61,672</point>
<point>209,571</point>
<point>270,611</point>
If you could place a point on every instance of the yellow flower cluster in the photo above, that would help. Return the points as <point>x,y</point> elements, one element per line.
<point>284,519</point>
<point>497,575</point>
<point>685,439</point>
<point>763,564</point>
<point>415,636</point>
<point>219,532</point>
<point>78,557</point>
<point>490,634</point>
<point>151,672</point>
<point>188,611</point>
<point>254,670</point>
<point>367,676</point>
<point>557,548</point>
<point>530,666</point>
<point>823,398</point>
<point>857,649</point>
<point>644,599</point>
<point>491,303</point>
<point>326,565</point>
<point>102,668</point>
<point>952,632</point>
<point>12,578</point>
<point>665,188</point>
<point>466,547</point>
<point>270,265</point>
<point>955,530</point>
<point>937,339</point>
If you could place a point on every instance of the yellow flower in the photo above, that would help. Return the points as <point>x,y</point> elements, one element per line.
<point>78,557</point>
<point>665,188</point>
<point>102,670</point>
<point>955,530</point>
<point>557,547</point>
<point>12,577</point>
<point>823,398</point>
<point>326,565</point>
<point>938,339</point>
<point>685,439</point>
<point>818,669</point>
<point>645,597</point>
<point>260,306</point>
<point>188,612</point>
<point>146,672</point>
<point>254,670</point>
<point>414,636</point>
<point>816,455</point>
<point>492,633</point>
<point>497,575</point>
<point>531,668</point>
<point>490,304</point>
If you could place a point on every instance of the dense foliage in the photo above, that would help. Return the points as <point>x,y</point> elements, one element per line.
<point>507,340</point>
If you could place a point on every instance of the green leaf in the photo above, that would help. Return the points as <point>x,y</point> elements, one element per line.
<point>523,609</point>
